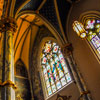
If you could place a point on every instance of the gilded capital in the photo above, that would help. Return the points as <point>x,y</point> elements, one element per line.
<point>8,24</point>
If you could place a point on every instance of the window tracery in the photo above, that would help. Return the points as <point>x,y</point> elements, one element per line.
<point>54,68</point>
<point>92,27</point>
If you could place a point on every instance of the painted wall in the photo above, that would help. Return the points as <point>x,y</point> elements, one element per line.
<point>84,57</point>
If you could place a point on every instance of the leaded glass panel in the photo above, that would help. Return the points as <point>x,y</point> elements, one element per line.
<point>54,68</point>
<point>92,27</point>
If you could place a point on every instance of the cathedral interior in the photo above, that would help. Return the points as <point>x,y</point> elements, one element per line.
<point>49,49</point>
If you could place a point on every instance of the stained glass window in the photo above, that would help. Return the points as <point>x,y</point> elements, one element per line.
<point>93,34</point>
<point>54,68</point>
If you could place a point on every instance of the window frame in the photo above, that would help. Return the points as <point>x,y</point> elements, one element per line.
<point>41,74</point>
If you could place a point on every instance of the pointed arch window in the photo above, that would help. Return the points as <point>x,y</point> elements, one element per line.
<point>54,68</point>
<point>92,27</point>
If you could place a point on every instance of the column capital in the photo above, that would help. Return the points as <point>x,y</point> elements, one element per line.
<point>8,24</point>
<point>67,49</point>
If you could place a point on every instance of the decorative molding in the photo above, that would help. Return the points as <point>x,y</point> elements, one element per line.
<point>59,97</point>
<point>67,49</point>
<point>83,93</point>
<point>89,14</point>
<point>9,84</point>
<point>8,24</point>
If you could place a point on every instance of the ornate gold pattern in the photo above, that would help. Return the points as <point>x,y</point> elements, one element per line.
<point>8,83</point>
<point>8,24</point>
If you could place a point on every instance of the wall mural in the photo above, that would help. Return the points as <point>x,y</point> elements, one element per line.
<point>23,91</point>
<point>35,76</point>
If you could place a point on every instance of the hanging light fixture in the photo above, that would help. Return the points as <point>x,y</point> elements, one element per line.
<point>79,29</point>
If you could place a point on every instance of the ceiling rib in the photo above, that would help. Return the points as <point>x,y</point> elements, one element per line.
<point>29,22</point>
<point>18,33</point>
<point>21,39</point>
<point>24,41</point>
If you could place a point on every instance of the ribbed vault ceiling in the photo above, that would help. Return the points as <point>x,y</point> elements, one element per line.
<point>28,26</point>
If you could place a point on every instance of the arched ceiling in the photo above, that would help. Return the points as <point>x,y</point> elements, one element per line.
<point>28,26</point>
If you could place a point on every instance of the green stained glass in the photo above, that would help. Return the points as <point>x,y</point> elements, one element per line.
<point>91,35</point>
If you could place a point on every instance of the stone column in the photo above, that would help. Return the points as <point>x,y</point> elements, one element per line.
<point>7,27</point>
<point>84,93</point>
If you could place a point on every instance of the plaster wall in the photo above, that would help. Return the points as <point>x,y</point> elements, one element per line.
<point>83,55</point>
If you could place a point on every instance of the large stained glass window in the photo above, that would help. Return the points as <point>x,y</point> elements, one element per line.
<point>93,34</point>
<point>54,68</point>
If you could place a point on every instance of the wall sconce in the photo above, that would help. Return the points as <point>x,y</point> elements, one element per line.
<point>79,29</point>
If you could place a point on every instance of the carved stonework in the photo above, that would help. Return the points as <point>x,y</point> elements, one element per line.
<point>67,49</point>
<point>59,97</point>
<point>8,24</point>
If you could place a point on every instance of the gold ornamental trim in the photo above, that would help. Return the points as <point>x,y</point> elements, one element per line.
<point>9,84</point>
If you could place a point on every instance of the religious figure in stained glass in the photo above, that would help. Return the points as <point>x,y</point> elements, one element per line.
<point>93,33</point>
<point>54,68</point>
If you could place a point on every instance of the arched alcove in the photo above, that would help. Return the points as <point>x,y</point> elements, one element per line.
<point>22,82</point>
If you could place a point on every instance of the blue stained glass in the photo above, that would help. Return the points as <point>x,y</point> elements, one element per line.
<point>56,78</point>
<point>98,21</point>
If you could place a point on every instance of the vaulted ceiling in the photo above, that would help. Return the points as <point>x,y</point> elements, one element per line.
<point>29,13</point>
